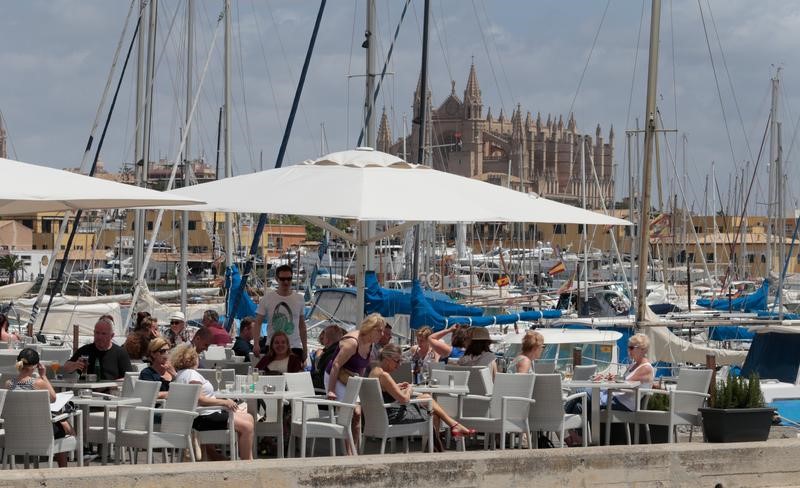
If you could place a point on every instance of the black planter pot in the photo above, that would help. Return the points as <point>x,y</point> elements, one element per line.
<point>736,424</point>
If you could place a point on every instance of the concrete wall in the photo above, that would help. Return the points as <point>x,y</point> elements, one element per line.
<point>772,463</point>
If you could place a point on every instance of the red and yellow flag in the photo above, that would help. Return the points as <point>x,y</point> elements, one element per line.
<point>557,268</point>
<point>503,281</point>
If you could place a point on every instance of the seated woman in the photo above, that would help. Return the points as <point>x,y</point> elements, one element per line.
<point>185,359</point>
<point>479,351</point>
<point>5,335</point>
<point>280,358</point>
<point>27,364</point>
<point>459,341</point>
<point>160,368</point>
<point>639,370</point>
<point>401,393</point>
<point>430,347</point>
<point>137,342</point>
<point>532,347</point>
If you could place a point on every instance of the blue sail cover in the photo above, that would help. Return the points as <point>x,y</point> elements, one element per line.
<point>423,313</point>
<point>233,281</point>
<point>730,333</point>
<point>774,355</point>
<point>748,303</point>
<point>390,302</point>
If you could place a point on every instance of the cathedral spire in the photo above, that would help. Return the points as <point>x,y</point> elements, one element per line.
<point>571,123</point>
<point>384,140</point>
<point>417,98</point>
<point>473,105</point>
<point>528,121</point>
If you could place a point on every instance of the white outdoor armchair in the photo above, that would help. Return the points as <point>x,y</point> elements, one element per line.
<point>690,394</point>
<point>336,426</point>
<point>29,429</point>
<point>376,420</point>
<point>547,414</point>
<point>509,407</point>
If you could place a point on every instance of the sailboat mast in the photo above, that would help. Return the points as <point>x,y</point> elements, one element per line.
<point>423,101</point>
<point>227,129</point>
<point>773,175</point>
<point>183,270</point>
<point>585,236</point>
<point>649,135</point>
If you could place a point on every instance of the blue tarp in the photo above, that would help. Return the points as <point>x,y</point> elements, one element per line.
<point>748,303</point>
<point>730,333</point>
<point>774,355</point>
<point>390,302</point>
<point>423,313</point>
<point>233,282</point>
<point>764,314</point>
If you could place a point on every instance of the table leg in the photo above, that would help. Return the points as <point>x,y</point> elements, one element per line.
<point>104,447</point>
<point>79,433</point>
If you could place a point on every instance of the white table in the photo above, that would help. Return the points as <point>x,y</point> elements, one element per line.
<point>279,397</point>
<point>596,386</point>
<point>107,403</point>
<point>81,385</point>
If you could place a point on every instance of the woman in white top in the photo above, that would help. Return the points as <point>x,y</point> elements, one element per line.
<point>479,351</point>
<point>184,358</point>
<point>639,370</point>
<point>532,347</point>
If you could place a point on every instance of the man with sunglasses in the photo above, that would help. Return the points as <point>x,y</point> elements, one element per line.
<point>283,309</point>
<point>177,333</point>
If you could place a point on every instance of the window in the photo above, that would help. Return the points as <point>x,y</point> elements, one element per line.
<point>710,257</point>
<point>691,257</point>
<point>47,226</point>
<point>28,223</point>
<point>580,228</point>
<point>192,225</point>
<point>698,229</point>
<point>763,258</point>
<point>149,225</point>
<point>751,258</point>
<point>559,228</point>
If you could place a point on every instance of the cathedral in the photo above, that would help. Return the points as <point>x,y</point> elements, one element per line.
<point>528,155</point>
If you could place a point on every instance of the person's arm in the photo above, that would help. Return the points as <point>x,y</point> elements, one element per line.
<point>206,401</point>
<point>75,363</point>
<point>257,334</point>
<point>346,350</point>
<point>390,386</point>
<point>303,334</point>
<point>642,374</point>
<point>439,346</point>
<point>43,383</point>
<point>523,364</point>
<point>493,369</point>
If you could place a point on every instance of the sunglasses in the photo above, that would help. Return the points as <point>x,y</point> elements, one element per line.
<point>175,321</point>
<point>633,347</point>
<point>284,278</point>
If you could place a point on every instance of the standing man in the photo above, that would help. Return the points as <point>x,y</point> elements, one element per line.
<point>102,357</point>
<point>283,310</point>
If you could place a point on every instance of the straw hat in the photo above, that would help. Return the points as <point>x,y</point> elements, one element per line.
<point>480,334</point>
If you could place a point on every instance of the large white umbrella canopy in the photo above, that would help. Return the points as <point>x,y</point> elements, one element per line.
<point>29,188</point>
<point>368,185</point>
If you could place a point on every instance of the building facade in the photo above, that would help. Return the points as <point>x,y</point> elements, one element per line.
<point>524,153</point>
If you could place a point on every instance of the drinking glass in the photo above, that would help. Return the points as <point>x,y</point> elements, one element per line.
<point>218,376</point>
<point>229,387</point>
<point>568,372</point>
<point>255,375</point>
<point>425,376</point>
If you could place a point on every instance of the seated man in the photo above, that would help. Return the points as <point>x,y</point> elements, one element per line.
<point>102,357</point>
<point>243,346</point>
<point>220,336</point>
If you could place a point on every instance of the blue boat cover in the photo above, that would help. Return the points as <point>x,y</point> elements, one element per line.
<point>773,355</point>
<point>233,282</point>
<point>424,313</point>
<point>748,303</point>
<point>390,302</point>
<point>729,333</point>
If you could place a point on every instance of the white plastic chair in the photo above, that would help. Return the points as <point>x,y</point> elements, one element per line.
<point>175,430</point>
<point>104,431</point>
<point>376,421</point>
<point>59,355</point>
<point>29,429</point>
<point>336,426</point>
<point>228,376</point>
<point>584,372</point>
<point>684,401</point>
<point>271,425</point>
<point>480,383</point>
<point>547,414</point>
<point>544,367</point>
<point>403,372</point>
<point>509,407</point>
<point>214,353</point>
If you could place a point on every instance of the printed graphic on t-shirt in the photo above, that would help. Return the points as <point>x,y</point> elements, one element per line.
<point>282,319</point>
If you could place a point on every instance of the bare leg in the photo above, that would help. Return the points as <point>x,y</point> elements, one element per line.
<point>356,428</point>
<point>243,424</point>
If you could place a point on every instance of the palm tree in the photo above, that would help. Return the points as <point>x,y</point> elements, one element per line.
<point>11,264</point>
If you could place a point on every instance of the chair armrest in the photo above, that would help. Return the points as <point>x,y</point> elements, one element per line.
<point>508,399</point>
<point>644,392</point>
<point>480,398</point>
<point>60,417</point>
<point>322,401</point>
<point>689,393</point>
<point>104,395</point>
<point>321,391</point>
<point>575,395</point>
<point>428,401</point>
<point>170,410</point>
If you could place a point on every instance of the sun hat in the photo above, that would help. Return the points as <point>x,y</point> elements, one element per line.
<point>177,316</point>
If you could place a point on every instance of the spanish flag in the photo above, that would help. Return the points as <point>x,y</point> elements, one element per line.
<point>503,281</point>
<point>558,268</point>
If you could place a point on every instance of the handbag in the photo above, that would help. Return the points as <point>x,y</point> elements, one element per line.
<point>344,375</point>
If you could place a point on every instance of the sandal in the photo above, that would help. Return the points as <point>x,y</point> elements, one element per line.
<point>459,433</point>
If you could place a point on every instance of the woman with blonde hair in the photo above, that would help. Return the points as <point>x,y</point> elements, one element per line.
<point>400,393</point>
<point>186,360</point>
<point>160,368</point>
<point>639,370</point>
<point>352,355</point>
<point>27,365</point>
<point>430,348</point>
<point>532,347</point>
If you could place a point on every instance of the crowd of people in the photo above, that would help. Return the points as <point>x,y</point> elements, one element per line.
<point>173,355</point>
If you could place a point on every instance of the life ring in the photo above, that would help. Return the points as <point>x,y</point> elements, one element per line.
<point>434,280</point>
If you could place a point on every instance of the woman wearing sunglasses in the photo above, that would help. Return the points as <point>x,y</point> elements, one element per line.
<point>639,370</point>
<point>160,368</point>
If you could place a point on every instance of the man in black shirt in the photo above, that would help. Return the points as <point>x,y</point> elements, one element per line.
<point>243,345</point>
<point>102,357</point>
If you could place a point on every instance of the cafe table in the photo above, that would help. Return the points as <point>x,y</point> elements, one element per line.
<point>107,403</point>
<point>596,387</point>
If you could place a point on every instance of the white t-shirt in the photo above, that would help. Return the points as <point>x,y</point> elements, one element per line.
<point>187,376</point>
<point>283,314</point>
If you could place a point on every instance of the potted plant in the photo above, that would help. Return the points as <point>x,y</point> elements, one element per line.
<point>736,412</point>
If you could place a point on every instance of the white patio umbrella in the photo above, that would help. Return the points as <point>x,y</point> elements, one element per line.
<point>368,185</point>
<point>29,188</point>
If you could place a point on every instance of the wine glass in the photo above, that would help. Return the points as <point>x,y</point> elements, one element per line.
<point>425,377</point>
<point>255,376</point>
<point>218,376</point>
<point>568,372</point>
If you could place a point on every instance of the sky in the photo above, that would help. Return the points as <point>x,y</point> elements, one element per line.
<point>584,56</point>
